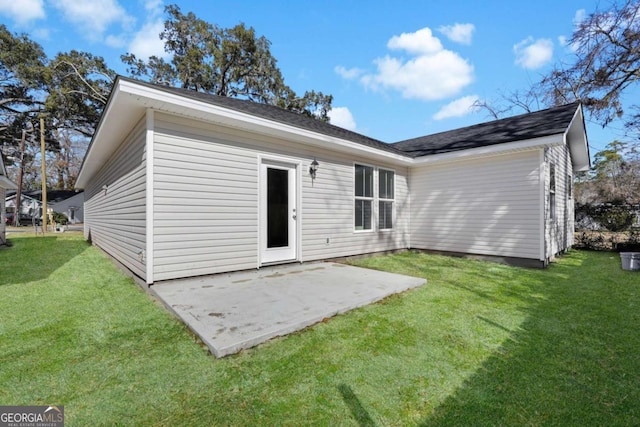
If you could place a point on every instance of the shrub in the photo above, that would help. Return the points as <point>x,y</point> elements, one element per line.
<point>611,216</point>
<point>60,218</point>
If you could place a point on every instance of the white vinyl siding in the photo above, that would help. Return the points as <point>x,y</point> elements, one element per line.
<point>206,200</point>
<point>559,224</point>
<point>115,217</point>
<point>485,206</point>
<point>328,224</point>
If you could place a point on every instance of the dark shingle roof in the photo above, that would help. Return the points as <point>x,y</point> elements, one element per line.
<point>547,122</point>
<point>526,126</point>
<point>276,114</point>
<point>53,196</point>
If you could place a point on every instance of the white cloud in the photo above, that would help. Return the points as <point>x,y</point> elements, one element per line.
<point>459,33</point>
<point>23,11</point>
<point>420,42</point>
<point>93,17</point>
<point>154,6</point>
<point>341,116</point>
<point>432,73</point>
<point>532,54</point>
<point>348,73</point>
<point>580,16</point>
<point>565,41</point>
<point>458,108</point>
<point>146,42</point>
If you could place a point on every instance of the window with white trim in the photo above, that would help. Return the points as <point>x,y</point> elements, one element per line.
<point>363,197</point>
<point>552,191</point>
<point>386,197</point>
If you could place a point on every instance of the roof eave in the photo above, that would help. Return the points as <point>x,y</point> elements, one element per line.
<point>171,103</point>
<point>492,150</point>
<point>130,100</point>
<point>92,159</point>
<point>576,139</point>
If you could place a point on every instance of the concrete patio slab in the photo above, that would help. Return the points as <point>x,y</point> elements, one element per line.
<point>231,312</point>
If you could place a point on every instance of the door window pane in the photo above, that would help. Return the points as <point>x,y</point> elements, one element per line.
<point>277,208</point>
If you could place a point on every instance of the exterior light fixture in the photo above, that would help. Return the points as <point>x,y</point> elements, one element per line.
<point>313,168</point>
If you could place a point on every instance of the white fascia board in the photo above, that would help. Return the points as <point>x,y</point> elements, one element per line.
<point>174,103</point>
<point>491,150</point>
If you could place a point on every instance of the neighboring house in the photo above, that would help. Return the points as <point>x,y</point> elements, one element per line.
<point>29,207</point>
<point>179,183</point>
<point>72,207</point>
<point>67,202</point>
<point>5,184</point>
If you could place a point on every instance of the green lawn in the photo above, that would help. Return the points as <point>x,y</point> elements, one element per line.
<point>480,344</point>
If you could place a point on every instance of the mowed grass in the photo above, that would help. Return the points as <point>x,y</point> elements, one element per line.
<point>480,344</point>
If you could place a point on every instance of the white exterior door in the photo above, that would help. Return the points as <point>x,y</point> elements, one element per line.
<point>278,212</point>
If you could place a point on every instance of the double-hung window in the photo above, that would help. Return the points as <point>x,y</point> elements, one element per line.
<point>363,197</point>
<point>552,191</point>
<point>368,197</point>
<point>386,197</point>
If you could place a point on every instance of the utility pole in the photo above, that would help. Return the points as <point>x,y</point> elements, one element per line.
<point>43,168</point>
<point>16,214</point>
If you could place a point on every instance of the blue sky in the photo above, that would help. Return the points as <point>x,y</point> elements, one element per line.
<point>397,69</point>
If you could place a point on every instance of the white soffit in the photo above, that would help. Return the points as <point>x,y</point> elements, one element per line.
<point>576,138</point>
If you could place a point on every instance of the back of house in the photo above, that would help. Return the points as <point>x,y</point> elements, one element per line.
<point>180,183</point>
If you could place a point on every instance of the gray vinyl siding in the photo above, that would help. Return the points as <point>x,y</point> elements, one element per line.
<point>206,190</point>
<point>559,230</point>
<point>72,202</point>
<point>3,214</point>
<point>115,219</point>
<point>485,206</point>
